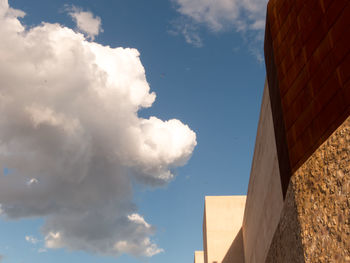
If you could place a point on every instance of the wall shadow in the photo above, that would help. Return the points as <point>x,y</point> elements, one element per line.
<point>235,253</point>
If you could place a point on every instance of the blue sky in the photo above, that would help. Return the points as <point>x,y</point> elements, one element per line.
<point>204,65</point>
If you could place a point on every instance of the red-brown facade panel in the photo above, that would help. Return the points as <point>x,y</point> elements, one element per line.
<point>307,46</point>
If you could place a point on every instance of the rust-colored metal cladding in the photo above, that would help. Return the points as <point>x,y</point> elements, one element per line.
<point>307,46</point>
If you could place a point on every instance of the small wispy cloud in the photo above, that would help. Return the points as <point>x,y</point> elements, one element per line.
<point>138,219</point>
<point>244,16</point>
<point>127,247</point>
<point>188,30</point>
<point>86,22</point>
<point>32,181</point>
<point>42,250</point>
<point>220,15</point>
<point>31,239</point>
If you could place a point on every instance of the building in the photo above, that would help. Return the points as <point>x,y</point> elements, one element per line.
<point>298,202</point>
<point>222,229</point>
<point>198,257</point>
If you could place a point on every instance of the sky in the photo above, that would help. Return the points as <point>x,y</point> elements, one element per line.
<point>117,118</point>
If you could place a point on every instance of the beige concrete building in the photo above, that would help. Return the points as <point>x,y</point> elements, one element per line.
<point>230,230</point>
<point>199,257</point>
<point>222,229</point>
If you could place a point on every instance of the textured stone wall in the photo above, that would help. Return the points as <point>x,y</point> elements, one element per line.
<point>316,214</point>
<point>286,246</point>
<point>322,194</point>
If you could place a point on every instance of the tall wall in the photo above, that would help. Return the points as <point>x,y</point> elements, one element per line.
<point>307,46</point>
<point>264,199</point>
<point>222,225</point>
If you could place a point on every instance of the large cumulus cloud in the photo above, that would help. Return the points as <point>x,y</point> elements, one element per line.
<point>71,136</point>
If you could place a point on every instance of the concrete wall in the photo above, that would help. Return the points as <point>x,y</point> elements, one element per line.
<point>204,232</point>
<point>223,218</point>
<point>264,199</point>
<point>198,257</point>
<point>236,251</point>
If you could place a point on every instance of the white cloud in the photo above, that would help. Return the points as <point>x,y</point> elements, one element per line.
<point>138,219</point>
<point>244,16</point>
<point>132,248</point>
<point>32,181</point>
<point>189,31</point>
<point>69,121</point>
<point>42,250</point>
<point>31,239</point>
<point>86,22</point>
<point>222,14</point>
<point>53,240</point>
